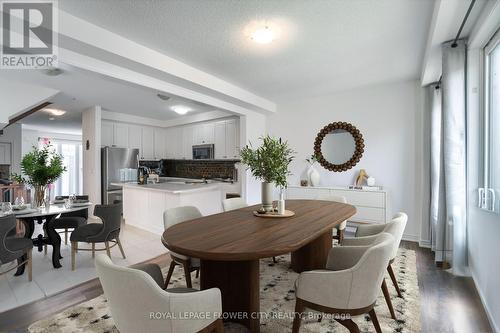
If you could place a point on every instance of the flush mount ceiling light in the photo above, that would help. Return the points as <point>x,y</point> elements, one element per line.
<point>53,71</point>
<point>163,97</point>
<point>55,112</point>
<point>180,109</point>
<point>262,32</point>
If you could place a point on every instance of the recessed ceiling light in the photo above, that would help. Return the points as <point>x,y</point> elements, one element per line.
<point>263,35</point>
<point>54,112</point>
<point>180,109</point>
<point>163,97</point>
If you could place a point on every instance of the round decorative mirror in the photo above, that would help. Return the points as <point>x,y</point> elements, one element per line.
<point>339,146</point>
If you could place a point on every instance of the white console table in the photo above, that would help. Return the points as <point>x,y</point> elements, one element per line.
<point>372,206</point>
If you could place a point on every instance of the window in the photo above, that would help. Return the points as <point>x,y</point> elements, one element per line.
<point>71,181</point>
<point>491,192</point>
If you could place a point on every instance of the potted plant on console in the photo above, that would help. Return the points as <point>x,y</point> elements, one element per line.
<point>39,168</point>
<point>269,163</point>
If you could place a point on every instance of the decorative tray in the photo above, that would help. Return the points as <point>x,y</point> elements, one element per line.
<point>288,213</point>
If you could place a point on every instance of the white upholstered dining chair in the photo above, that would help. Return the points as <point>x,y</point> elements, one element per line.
<point>341,227</point>
<point>349,284</point>
<point>368,234</point>
<point>137,301</point>
<point>171,217</point>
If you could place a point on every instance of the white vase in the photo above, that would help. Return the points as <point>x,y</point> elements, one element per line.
<point>267,196</point>
<point>313,175</point>
<point>281,204</point>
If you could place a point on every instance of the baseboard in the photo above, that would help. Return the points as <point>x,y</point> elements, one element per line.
<point>425,243</point>
<point>485,305</point>
<point>410,238</point>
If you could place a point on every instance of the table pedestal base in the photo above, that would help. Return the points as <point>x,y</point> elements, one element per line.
<point>238,282</point>
<point>313,255</point>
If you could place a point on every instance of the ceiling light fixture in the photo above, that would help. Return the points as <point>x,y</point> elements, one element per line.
<point>180,109</point>
<point>55,112</point>
<point>263,35</point>
<point>53,71</point>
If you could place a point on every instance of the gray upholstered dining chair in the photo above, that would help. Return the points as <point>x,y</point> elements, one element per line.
<point>171,217</point>
<point>233,203</point>
<point>136,295</point>
<point>349,284</point>
<point>367,234</point>
<point>71,220</point>
<point>340,229</point>
<point>105,232</point>
<point>14,248</point>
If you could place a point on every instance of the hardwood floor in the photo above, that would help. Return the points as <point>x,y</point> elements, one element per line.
<point>448,303</point>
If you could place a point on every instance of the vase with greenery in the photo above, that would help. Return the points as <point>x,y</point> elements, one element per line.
<point>39,168</point>
<point>312,173</point>
<point>269,163</point>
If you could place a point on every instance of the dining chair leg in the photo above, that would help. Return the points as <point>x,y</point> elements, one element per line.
<point>394,281</point>
<point>66,236</point>
<point>108,251</point>
<point>197,273</point>
<point>219,326</point>
<point>387,297</point>
<point>299,308</point>
<point>76,248</point>
<point>274,260</point>
<point>121,247</point>
<point>74,245</point>
<point>30,265</point>
<point>170,272</point>
<point>341,236</point>
<point>187,273</point>
<point>93,250</point>
<point>374,319</point>
<point>349,324</point>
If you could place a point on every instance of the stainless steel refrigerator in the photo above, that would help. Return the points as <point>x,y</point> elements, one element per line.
<point>118,165</point>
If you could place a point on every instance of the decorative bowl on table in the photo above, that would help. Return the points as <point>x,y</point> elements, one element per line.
<point>19,207</point>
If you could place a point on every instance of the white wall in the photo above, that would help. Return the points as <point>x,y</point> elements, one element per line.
<point>91,132</point>
<point>388,116</point>
<point>13,135</point>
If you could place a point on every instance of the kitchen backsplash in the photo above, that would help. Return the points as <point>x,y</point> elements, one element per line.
<point>200,169</point>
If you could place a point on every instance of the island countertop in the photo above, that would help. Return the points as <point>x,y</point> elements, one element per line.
<point>169,187</point>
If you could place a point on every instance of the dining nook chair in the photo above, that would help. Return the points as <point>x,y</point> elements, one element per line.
<point>14,248</point>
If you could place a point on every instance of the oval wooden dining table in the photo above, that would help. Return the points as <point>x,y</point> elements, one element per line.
<point>229,246</point>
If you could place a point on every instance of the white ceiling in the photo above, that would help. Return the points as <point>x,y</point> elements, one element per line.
<point>325,46</point>
<point>80,89</point>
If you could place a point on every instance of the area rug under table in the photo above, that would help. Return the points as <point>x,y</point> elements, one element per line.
<point>277,300</point>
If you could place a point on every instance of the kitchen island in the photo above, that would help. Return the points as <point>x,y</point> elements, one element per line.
<point>143,205</point>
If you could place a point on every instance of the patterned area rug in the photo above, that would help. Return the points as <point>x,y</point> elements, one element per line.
<point>277,299</point>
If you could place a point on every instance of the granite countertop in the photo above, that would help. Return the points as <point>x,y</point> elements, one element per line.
<point>174,188</point>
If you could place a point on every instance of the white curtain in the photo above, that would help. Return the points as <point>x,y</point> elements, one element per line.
<point>448,162</point>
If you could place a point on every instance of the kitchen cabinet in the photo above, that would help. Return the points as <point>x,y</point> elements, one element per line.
<point>226,140</point>
<point>203,134</point>
<point>174,143</point>
<point>159,143</point>
<point>120,135</point>
<point>147,143</point>
<point>106,134</point>
<point>187,142</point>
<point>5,153</point>
<point>134,136</point>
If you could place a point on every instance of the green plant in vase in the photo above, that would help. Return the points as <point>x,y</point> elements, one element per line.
<point>269,163</point>
<point>39,168</point>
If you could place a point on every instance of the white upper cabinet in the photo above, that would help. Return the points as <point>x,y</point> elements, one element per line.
<point>173,142</point>
<point>159,143</point>
<point>134,136</point>
<point>187,142</point>
<point>220,140</point>
<point>147,143</point>
<point>203,134</point>
<point>226,139</point>
<point>106,133</point>
<point>120,135</point>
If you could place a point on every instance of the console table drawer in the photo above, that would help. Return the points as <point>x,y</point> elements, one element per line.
<point>369,215</point>
<point>367,199</point>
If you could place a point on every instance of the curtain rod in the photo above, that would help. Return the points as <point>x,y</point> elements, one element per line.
<point>454,44</point>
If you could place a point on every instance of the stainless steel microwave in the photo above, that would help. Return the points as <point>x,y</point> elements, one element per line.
<point>203,152</point>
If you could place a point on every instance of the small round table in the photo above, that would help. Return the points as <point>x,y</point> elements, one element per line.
<point>48,214</point>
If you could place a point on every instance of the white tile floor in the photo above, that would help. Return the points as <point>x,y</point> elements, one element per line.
<point>139,245</point>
